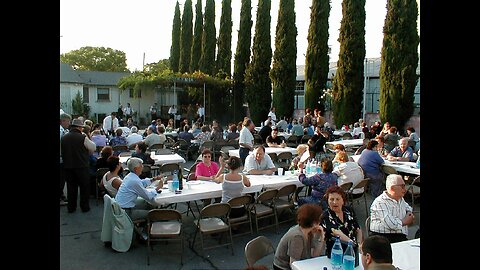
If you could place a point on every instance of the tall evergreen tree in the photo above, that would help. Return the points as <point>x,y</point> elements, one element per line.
<point>175,48</point>
<point>207,60</point>
<point>316,60</point>
<point>224,43</point>
<point>197,38</point>
<point>284,68</point>
<point>348,81</point>
<point>242,58</point>
<point>186,37</point>
<point>258,86</point>
<point>398,76</point>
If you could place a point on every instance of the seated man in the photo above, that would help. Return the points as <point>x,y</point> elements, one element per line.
<point>390,215</point>
<point>273,140</point>
<point>376,253</point>
<point>132,187</point>
<point>258,162</point>
<point>402,152</point>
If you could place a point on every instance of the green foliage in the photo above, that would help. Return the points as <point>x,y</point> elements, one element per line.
<point>158,67</point>
<point>207,60</point>
<point>175,48</point>
<point>224,54</point>
<point>96,59</point>
<point>284,70</point>
<point>316,60</point>
<point>77,104</point>
<point>186,37</point>
<point>258,85</point>
<point>398,76</point>
<point>197,38</point>
<point>242,58</point>
<point>348,81</point>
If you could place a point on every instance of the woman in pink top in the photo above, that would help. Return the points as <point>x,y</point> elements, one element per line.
<point>207,169</point>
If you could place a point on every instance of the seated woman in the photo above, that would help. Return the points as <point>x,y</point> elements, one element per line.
<point>317,143</point>
<point>371,163</point>
<point>170,126</point>
<point>338,148</point>
<point>106,152</point>
<point>207,169</point>
<point>232,132</point>
<point>232,183</point>
<point>111,180</point>
<point>319,182</point>
<point>302,241</point>
<point>140,150</point>
<point>302,156</point>
<point>341,221</point>
<point>348,171</point>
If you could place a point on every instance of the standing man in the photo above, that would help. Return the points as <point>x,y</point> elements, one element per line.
<point>201,112</point>
<point>128,111</point>
<point>246,139</point>
<point>153,111</point>
<point>110,124</point>
<point>64,123</point>
<point>273,115</point>
<point>390,215</point>
<point>76,147</point>
<point>172,111</point>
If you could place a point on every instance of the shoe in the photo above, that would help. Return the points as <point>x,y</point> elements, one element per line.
<point>63,203</point>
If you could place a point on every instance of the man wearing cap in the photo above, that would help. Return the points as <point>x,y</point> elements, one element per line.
<point>64,123</point>
<point>390,215</point>
<point>133,187</point>
<point>75,149</point>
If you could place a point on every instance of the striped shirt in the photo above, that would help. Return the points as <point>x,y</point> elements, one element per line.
<point>386,215</point>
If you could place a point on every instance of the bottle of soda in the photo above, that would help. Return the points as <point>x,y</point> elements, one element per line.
<point>349,257</point>
<point>336,256</point>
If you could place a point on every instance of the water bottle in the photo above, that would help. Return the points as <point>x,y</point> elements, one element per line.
<point>349,257</point>
<point>319,167</point>
<point>336,255</point>
<point>176,183</point>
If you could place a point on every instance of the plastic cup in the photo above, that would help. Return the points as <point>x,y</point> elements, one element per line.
<point>280,171</point>
<point>152,154</point>
<point>170,185</point>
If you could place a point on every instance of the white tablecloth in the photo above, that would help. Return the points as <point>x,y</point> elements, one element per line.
<point>400,166</point>
<point>161,159</point>
<point>173,134</point>
<point>268,150</point>
<point>199,189</point>
<point>348,143</point>
<point>406,256</point>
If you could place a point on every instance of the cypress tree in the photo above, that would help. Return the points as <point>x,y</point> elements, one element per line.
<point>224,54</point>
<point>348,81</point>
<point>398,76</point>
<point>258,85</point>
<point>284,68</point>
<point>186,37</point>
<point>175,48</point>
<point>242,58</point>
<point>207,60</point>
<point>316,60</point>
<point>197,38</point>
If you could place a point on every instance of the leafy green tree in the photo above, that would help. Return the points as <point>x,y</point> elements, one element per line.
<point>316,60</point>
<point>77,104</point>
<point>96,59</point>
<point>175,48</point>
<point>348,81</point>
<point>186,37</point>
<point>284,70</point>
<point>398,76</point>
<point>157,67</point>
<point>207,60</point>
<point>224,54</point>
<point>258,86</point>
<point>242,58</point>
<point>197,38</point>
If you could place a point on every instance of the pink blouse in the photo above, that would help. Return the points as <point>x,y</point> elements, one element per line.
<point>203,170</point>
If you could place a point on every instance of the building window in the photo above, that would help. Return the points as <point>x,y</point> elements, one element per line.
<point>139,93</point>
<point>103,94</point>
<point>85,95</point>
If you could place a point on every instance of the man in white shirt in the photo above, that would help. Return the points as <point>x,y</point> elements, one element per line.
<point>153,111</point>
<point>246,139</point>
<point>200,111</point>
<point>390,215</point>
<point>258,162</point>
<point>128,111</point>
<point>110,124</point>
<point>172,111</point>
<point>273,115</point>
<point>133,137</point>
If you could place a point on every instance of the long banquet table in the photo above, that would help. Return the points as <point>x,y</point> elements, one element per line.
<point>400,166</point>
<point>161,159</point>
<point>406,256</point>
<point>348,143</point>
<point>268,150</point>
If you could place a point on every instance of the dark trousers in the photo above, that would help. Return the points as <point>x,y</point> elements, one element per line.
<point>154,116</point>
<point>78,178</point>
<point>243,153</point>
<point>62,181</point>
<point>392,237</point>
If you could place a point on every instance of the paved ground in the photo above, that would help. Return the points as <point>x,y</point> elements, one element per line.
<point>81,248</point>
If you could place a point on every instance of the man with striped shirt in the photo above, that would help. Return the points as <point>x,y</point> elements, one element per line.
<point>390,215</point>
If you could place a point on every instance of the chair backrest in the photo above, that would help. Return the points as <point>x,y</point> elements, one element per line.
<point>170,168</point>
<point>388,169</point>
<point>267,195</point>
<point>156,146</point>
<point>215,210</point>
<point>258,248</point>
<point>257,139</point>
<point>240,200</point>
<point>155,215</point>
<point>163,152</point>
<point>273,156</point>
<point>292,139</point>
<point>367,226</point>
<point>362,184</point>
<point>99,175</point>
<point>347,136</point>
<point>209,144</point>
<point>120,148</point>
<point>286,190</point>
<point>346,186</point>
<point>146,171</point>
<point>285,156</point>
<point>125,154</point>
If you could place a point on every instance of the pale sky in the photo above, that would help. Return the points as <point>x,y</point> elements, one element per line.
<point>145,26</point>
